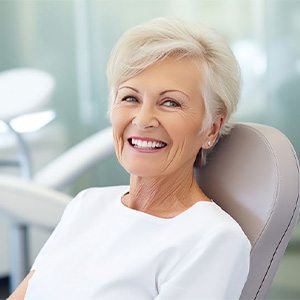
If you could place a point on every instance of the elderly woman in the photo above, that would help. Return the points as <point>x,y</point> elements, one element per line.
<point>173,87</point>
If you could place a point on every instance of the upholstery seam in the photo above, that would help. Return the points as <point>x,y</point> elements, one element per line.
<point>277,192</point>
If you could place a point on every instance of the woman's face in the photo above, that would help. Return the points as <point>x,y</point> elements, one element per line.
<point>157,119</point>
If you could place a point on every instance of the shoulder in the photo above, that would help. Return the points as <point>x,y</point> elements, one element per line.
<point>94,199</point>
<point>211,223</point>
<point>99,194</point>
<point>88,205</point>
<point>109,190</point>
<point>219,249</point>
<point>227,231</point>
<point>222,239</point>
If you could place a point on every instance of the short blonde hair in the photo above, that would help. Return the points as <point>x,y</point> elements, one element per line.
<point>155,40</point>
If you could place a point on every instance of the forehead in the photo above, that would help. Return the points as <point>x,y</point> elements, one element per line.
<point>171,73</point>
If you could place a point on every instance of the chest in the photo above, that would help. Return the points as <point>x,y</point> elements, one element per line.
<point>115,262</point>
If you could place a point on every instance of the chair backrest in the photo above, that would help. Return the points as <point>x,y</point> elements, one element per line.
<point>253,174</point>
<point>31,204</point>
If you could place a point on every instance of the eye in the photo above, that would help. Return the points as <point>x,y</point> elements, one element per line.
<point>171,103</point>
<point>129,99</point>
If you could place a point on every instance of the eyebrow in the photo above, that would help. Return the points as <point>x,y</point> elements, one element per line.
<point>128,87</point>
<point>162,93</point>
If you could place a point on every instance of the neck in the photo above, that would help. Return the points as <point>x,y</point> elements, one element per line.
<point>175,192</point>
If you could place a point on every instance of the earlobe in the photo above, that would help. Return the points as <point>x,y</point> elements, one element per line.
<point>214,132</point>
<point>207,144</point>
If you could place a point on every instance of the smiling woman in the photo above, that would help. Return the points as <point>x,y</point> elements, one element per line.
<point>162,104</point>
<point>173,87</point>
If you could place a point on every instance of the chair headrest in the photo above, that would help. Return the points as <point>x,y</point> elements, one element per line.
<point>253,174</point>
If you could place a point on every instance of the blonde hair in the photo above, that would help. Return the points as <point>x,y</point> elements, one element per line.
<point>155,40</point>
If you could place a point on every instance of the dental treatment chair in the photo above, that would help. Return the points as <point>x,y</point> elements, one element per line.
<point>36,202</point>
<point>253,174</point>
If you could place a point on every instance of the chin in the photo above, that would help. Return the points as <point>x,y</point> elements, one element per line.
<point>142,170</point>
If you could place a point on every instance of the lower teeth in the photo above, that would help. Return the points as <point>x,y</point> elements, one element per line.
<point>146,147</point>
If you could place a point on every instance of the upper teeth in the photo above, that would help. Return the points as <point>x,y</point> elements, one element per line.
<point>146,144</point>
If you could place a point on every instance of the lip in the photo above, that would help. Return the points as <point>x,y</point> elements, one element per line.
<point>145,150</point>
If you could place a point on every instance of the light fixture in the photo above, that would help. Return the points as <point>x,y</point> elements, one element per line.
<point>29,122</point>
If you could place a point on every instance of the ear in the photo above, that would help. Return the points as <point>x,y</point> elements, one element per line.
<point>213,132</point>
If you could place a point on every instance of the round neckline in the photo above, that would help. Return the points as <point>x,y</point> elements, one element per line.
<point>153,217</point>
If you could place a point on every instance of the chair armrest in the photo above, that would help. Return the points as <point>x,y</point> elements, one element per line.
<point>70,165</point>
<point>31,204</point>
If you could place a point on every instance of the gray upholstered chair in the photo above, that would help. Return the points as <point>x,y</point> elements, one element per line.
<point>253,174</point>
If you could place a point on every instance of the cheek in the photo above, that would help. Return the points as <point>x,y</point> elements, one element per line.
<point>184,127</point>
<point>187,138</point>
<point>119,123</point>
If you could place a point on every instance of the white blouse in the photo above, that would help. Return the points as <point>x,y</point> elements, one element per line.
<point>104,250</point>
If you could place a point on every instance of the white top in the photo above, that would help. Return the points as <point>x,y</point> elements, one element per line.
<point>104,250</point>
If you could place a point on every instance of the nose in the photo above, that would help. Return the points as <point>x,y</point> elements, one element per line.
<point>145,118</point>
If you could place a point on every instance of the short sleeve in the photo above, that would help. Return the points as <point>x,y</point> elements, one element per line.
<point>58,231</point>
<point>215,269</point>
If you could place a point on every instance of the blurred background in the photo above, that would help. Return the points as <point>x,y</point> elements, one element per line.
<point>72,39</point>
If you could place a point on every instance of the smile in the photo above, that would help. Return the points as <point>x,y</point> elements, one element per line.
<point>146,143</point>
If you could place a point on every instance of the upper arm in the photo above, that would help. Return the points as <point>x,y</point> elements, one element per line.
<point>20,291</point>
<point>215,268</point>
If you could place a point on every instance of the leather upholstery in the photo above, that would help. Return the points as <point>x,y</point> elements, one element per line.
<point>253,174</point>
